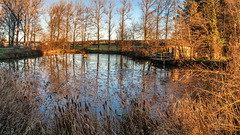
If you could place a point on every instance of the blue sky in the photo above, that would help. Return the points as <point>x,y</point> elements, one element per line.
<point>135,13</point>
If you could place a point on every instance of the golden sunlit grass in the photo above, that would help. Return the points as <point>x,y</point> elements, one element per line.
<point>210,104</point>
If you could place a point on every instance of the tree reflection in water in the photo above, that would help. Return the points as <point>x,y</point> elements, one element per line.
<point>96,79</point>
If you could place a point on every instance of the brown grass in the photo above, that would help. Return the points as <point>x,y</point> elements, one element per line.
<point>138,118</point>
<point>16,111</point>
<point>209,104</point>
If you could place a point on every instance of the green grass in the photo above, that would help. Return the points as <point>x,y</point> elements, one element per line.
<point>101,47</point>
<point>104,47</point>
<point>4,51</point>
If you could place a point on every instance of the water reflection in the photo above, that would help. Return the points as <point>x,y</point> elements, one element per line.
<point>96,79</point>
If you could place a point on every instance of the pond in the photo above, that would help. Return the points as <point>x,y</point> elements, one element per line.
<point>95,80</point>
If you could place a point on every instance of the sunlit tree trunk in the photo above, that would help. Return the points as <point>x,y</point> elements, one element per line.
<point>159,11</point>
<point>98,9</point>
<point>109,13</point>
<point>124,14</point>
<point>147,12</point>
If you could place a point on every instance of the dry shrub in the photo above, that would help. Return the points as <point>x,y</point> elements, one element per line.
<point>210,104</point>
<point>15,108</point>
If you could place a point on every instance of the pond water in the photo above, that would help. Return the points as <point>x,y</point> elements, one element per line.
<point>97,79</point>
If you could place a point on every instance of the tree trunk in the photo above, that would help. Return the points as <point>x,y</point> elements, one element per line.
<point>122,31</point>
<point>9,33</point>
<point>109,33</point>
<point>166,34</point>
<point>13,33</point>
<point>157,26</point>
<point>98,35</point>
<point>18,23</point>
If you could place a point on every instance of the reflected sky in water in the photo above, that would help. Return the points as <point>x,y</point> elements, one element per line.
<point>97,79</point>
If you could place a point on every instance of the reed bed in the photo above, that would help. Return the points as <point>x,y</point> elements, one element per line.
<point>16,110</point>
<point>205,102</point>
<point>137,118</point>
<point>210,104</point>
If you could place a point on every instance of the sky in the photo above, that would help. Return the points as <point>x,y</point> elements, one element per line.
<point>135,14</point>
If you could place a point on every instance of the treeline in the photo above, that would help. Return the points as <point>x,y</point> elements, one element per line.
<point>20,17</point>
<point>209,27</point>
<point>85,21</point>
<point>199,28</point>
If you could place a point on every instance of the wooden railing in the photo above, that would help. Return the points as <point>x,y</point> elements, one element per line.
<point>163,56</point>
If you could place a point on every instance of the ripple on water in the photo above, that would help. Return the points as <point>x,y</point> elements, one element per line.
<point>96,79</point>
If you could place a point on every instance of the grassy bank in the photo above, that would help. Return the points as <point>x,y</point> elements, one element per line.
<point>101,48</point>
<point>137,52</point>
<point>141,53</point>
<point>11,53</point>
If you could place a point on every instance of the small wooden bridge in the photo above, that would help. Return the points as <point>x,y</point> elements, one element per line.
<point>161,52</point>
<point>161,56</point>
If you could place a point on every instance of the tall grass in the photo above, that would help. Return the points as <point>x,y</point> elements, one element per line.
<point>138,118</point>
<point>16,110</point>
<point>209,103</point>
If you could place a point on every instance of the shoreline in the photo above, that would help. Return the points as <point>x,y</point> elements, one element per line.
<point>177,63</point>
<point>20,54</point>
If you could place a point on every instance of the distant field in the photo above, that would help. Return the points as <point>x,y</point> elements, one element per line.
<point>101,47</point>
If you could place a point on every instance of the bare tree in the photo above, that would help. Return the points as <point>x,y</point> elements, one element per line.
<point>77,20</point>
<point>98,9</point>
<point>59,12</point>
<point>51,24</point>
<point>31,19</point>
<point>56,23</point>
<point>134,29</point>
<point>15,8</point>
<point>18,16</point>
<point>124,15</point>
<point>147,12</point>
<point>68,17</point>
<point>2,34</point>
<point>9,23</point>
<point>169,8</point>
<point>109,13</point>
<point>36,29</point>
<point>86,24</point>
<point>160,8</point>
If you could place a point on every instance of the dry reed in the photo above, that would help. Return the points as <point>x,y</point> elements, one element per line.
<point>209,105</point>
<point>16,111</point>
<point>78,118</point>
